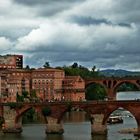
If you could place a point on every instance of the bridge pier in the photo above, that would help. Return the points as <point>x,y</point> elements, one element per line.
<point>97,128</point>
<point>9,125</point>
<point>53,127</point>
<point>111,94</point>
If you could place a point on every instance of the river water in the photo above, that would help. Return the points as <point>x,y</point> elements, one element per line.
<point>77,127</point>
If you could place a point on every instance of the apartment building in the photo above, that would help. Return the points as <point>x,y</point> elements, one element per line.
<point>49,84</point>
<point>73,88</point>
<point>11,61</point>
<point>13,82</point>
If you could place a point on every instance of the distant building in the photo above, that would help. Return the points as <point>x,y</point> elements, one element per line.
<point>73,88</point>
<point>11,61</point>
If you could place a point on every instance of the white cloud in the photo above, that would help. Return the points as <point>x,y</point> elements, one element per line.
<point>5,45</point>
<point>86,31</point>
<point>54,34</point>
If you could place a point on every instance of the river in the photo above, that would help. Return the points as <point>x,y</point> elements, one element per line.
<point>77,127</point>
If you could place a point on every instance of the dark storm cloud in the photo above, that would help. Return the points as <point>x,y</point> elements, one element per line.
<point>81,20</point>
<point>126,10</point>
<point>15,33</point>
<point>42,2</point>
<point>53,9</point>
<point>124,25</point>
<point>88,20</point>
<point>49,7</point>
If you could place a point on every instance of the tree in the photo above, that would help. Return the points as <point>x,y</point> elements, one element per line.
<point>20,98</point>
<point>29,116</point>
<point>95,92</point>
<point>46,111</point>
<point>93,68</point>
<point>33,94</point>
<point>27,67</point>
<point>46,65</point>
<point>74,65</point>
<point>1,121</point>
<point>25,94</point>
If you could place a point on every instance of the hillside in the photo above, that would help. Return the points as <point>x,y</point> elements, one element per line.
<point>119,73</point>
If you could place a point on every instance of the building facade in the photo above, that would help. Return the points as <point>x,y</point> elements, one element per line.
<point>73,88</point>
<point>48,84</point>
<point>11,61</point>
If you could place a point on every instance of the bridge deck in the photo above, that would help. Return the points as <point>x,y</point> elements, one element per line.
<point>76,102</point>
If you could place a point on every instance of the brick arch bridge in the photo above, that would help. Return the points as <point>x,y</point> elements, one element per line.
<point>99,112</point>
<point>111,84</point>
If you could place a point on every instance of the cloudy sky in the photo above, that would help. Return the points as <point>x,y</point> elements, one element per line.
<point>105,33</point>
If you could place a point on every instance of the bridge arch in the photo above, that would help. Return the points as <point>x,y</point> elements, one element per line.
<point>126,82</point>
<point>24,110</point>
<point>133,112</point>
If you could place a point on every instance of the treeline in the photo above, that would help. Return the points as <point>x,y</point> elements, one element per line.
<point>128,87</point>
<point>79,70</point>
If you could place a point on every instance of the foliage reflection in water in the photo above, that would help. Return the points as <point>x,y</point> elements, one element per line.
<point>55,137</point>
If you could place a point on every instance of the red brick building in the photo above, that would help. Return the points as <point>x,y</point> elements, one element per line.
<point>49,84</point>
<point>73,88</point>
<point>11,61</point>
<point>14,81</point>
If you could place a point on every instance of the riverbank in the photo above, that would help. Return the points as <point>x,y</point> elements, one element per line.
<point>128,131</point>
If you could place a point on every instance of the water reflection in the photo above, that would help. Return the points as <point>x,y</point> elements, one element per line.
<point>54,137</point>
<point>61,137</point>
<point>11,136</point>
<point>99,137</point>
<point>75,116</point>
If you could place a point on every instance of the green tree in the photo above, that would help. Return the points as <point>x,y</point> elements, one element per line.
<point>74,65</point>
<point>29,116</point>
<point>33,94</point>
<point>93,68</point>
<point>25,94</point>
<point>27,67</point>
<point>95,92</point>
<point>20,98</point>
<point>127,87</point>
<point>1,121</point>
<point>46,65</point>
<point>82,71</point>
<point>46,111</point>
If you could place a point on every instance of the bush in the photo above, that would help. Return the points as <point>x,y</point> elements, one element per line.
<point>14,105</point>
<point>69,106</point>
<point>46,111</point>
<point>1,121</point>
